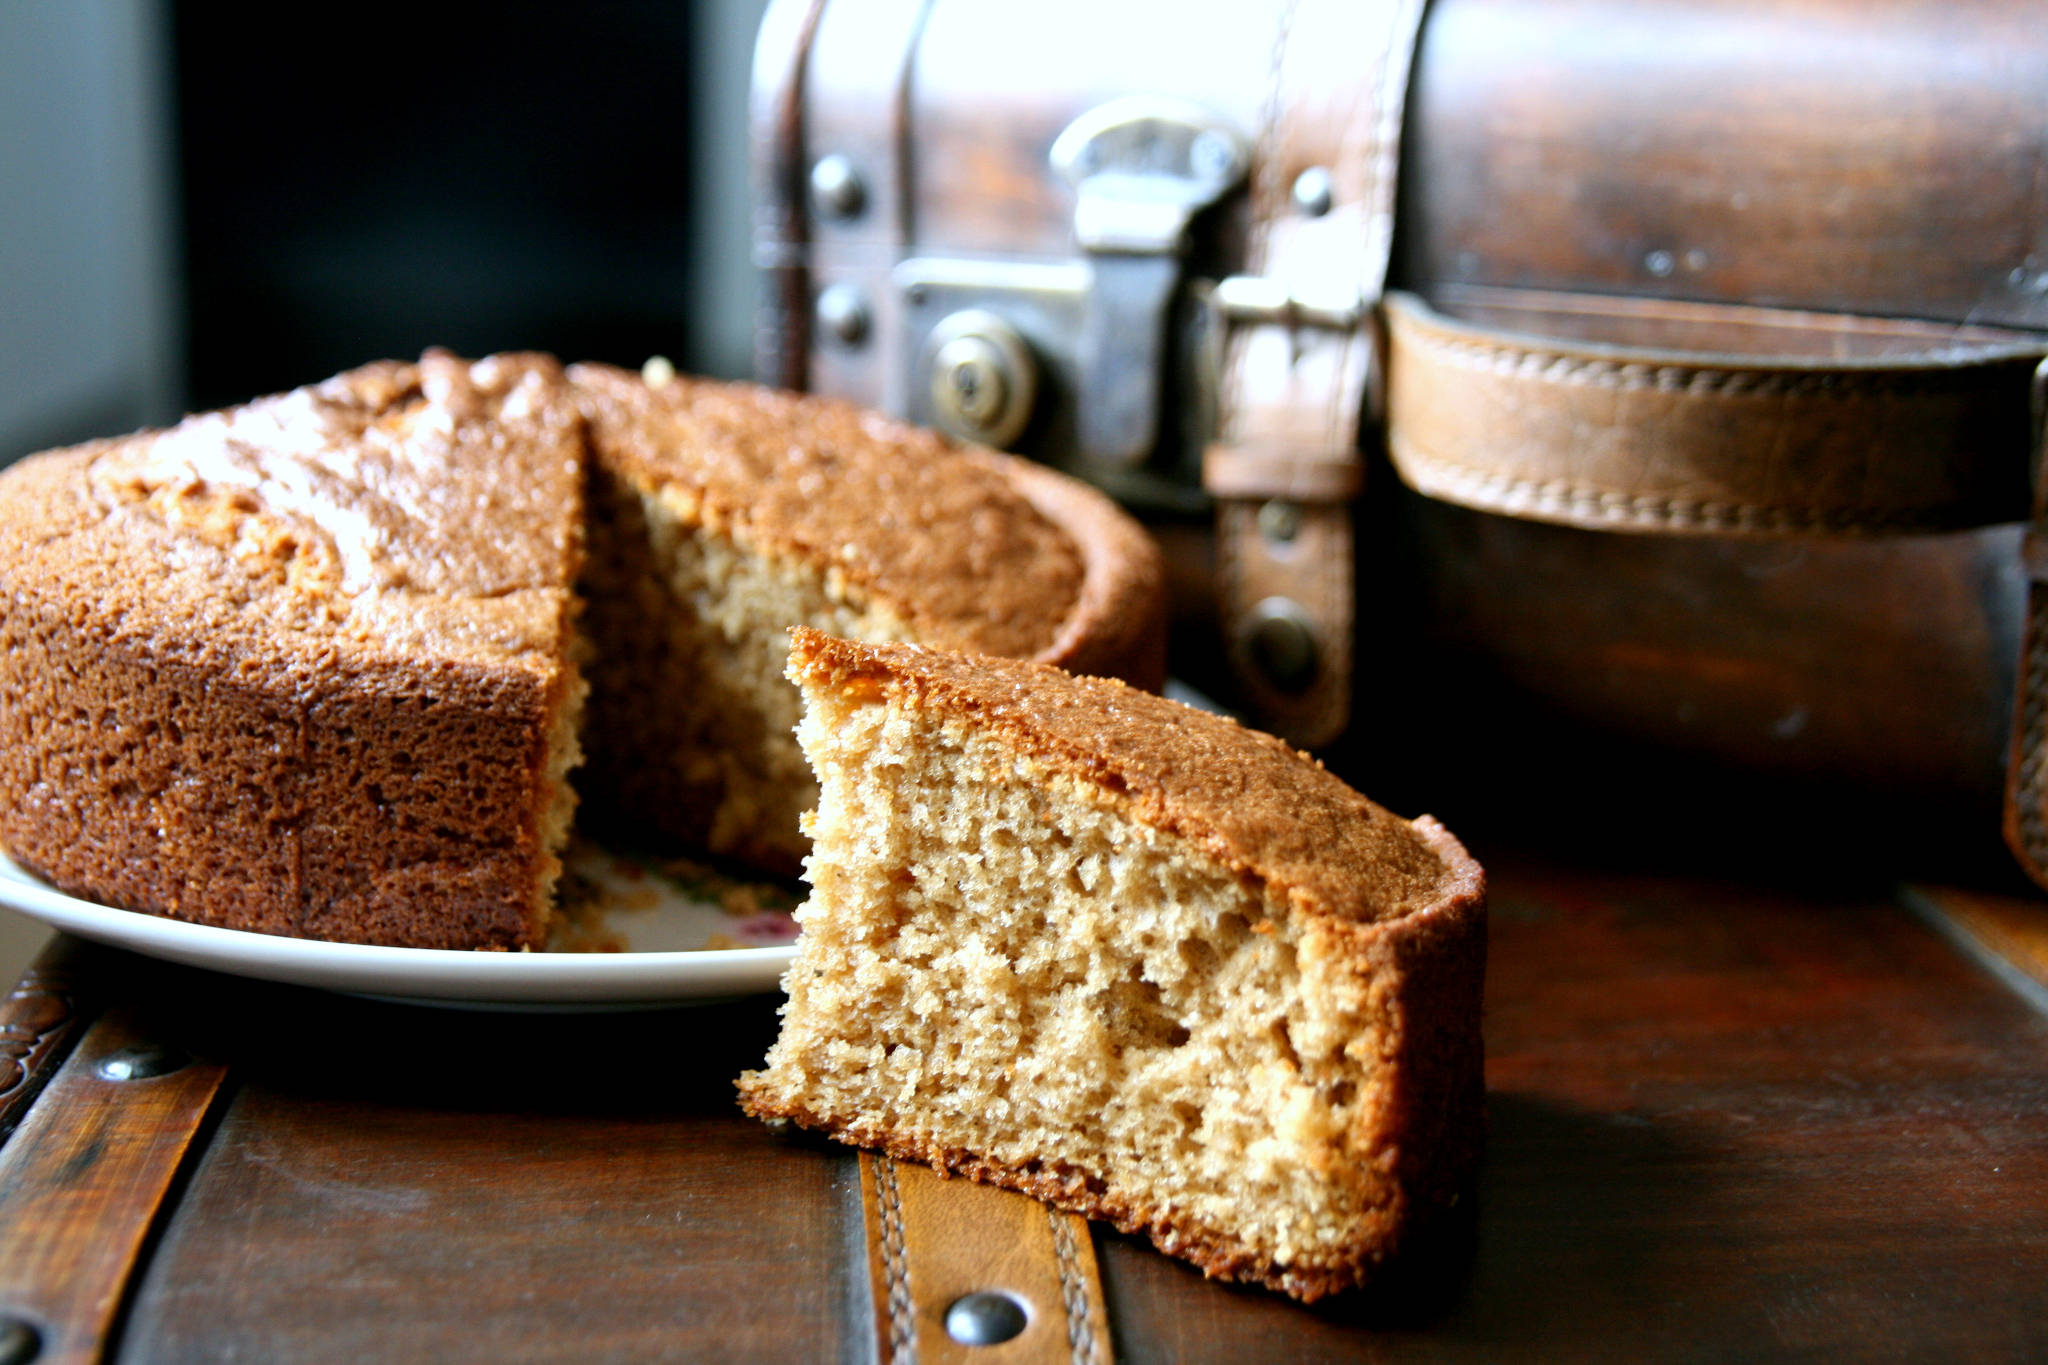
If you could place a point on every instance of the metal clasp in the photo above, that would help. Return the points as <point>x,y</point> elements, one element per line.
<point>1142,168</point>
<point>1250,300</point>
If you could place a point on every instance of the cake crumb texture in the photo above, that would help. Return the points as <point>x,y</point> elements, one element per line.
<point>724,514</point>
<point>1071,938</point>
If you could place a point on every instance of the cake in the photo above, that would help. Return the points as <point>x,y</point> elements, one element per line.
<point>1131,959</point>
<point>723,514</point>
<point>304,667</point>
<point>314,666</point>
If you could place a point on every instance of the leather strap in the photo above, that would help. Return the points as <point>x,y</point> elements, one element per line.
<point>84,1178</point>
<point>1647,416</point>
<point>1293,392</point>
<point>933,1241</point>
<point>1655,416</point>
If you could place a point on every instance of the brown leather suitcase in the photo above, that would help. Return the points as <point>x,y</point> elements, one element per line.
<point>1700,335</point>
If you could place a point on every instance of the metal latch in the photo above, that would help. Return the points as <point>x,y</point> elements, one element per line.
<point>1249,300</point>
<point>1254,301</point>
<point>1142,168</point>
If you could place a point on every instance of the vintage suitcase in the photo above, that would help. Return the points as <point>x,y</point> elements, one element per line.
<point>1701,336</point>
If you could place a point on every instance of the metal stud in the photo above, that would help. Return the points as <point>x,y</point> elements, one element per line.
<point>837,191</point>
<point>1314,192</point>
<point>843,314</point>
<point>1280,521</point>
<point>140,1063</point>
<point>1280,645</point>
<point>985,1318</point>
<point>20,1342</point>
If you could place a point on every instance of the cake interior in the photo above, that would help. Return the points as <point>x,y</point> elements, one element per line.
<point>690,730</point>
<point>564,755</point>
<point>997,965</point>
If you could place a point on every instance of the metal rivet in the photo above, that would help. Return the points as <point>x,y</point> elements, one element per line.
<point>984,379</point>
<point>140,1063</point>
<point>1314,192</point>
<point>20,1342</point>
<point>843,314</point>
<point>1280,644</point>
<point>1659,263</point>
<point>984,1318</point>
<point>837,190</point>
<point>1279,520</point>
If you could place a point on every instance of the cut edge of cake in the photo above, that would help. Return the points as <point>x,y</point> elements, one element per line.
<point>697,585</point>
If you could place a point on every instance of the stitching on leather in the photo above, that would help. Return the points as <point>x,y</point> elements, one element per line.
<point>2032,761</point>
<point>1264,193</point>
<point>1266,165</point>
<point>1492,491</point>
<point>1389,106</point>
<point>1628,376</point>
<point>895,1264</point>
<point>1234,522</point>
<point>1333,712</point>
<point>1073,1290</point>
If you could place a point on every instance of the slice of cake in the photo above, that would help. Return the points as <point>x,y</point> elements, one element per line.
<point>1129,958</point>
<point>723,514</point>
<point>304,667</point>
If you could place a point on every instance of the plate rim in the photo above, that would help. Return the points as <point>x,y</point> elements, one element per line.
<point>419,974</point>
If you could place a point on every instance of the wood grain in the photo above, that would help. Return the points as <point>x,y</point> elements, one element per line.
<point>395,1183</point>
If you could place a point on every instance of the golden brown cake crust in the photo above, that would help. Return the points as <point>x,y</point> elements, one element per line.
<point>1055,1183</point>
<point>979,551</point>
<point>1261,807</point>
<point>291,667</point>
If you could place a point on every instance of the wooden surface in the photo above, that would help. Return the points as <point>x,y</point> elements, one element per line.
<point>1728,1123</point>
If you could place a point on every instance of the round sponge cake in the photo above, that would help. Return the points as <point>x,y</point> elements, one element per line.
<point>314,665</point>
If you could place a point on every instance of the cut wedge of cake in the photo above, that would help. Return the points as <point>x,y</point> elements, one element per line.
<point>305,666</point>
<point>1130,958</point>
<point>724,514</point>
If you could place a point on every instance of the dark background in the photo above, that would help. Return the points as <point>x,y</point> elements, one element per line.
<point>479,177</point>
<point>200,204</point>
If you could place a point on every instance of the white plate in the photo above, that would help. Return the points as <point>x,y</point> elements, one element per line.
<point>640,935</point>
